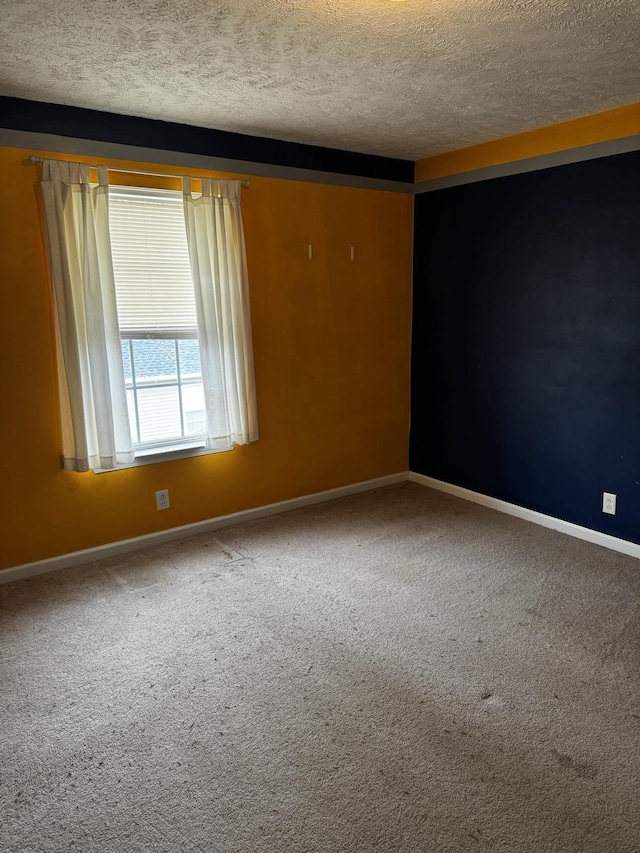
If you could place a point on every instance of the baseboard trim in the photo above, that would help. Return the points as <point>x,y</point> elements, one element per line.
<point>123,546</point>
<point>575,530</point>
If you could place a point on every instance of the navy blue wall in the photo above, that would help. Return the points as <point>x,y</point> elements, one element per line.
<point>526,340</point>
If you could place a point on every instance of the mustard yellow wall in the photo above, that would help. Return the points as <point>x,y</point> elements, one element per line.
<point>331,341</point>
<point>601,127</point>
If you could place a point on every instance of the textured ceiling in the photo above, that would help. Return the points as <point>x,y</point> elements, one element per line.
<point>402,79</point>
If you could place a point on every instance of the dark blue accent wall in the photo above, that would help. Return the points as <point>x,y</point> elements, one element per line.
<point>526,340</point>
<point>35,116</point>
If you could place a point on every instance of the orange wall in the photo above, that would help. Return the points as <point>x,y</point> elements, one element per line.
<point>602,127</point>
<point>331,342</point>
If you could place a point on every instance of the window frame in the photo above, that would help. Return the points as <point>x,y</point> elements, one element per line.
<point>134,385</point>
<point>183,446</point>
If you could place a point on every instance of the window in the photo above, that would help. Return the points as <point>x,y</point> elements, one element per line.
<point>157,318</point>
<point>153,319</point>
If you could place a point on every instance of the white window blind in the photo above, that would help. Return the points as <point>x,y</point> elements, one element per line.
<point>154,287</point>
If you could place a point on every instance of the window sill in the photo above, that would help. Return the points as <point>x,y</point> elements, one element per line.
<point>154,455</point>
<point>168,449</point>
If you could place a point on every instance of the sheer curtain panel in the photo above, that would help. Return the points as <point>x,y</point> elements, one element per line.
<point>95,423</point>
<point>218,264</point>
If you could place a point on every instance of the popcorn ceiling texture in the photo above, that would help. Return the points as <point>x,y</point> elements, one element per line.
<point>406,80</point>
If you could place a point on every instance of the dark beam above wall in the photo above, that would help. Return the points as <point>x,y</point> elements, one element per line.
<point>35,116</point>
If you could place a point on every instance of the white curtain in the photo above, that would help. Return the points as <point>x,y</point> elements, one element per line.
<point>95,422</point>
<point>218,263</point>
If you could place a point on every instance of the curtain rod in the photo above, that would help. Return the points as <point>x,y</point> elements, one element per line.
<point>38,160</point>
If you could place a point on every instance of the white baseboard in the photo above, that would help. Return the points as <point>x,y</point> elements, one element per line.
<point>111,549</point>
<point>567,527</point>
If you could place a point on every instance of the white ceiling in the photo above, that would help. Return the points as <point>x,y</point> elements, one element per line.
<point>404,79</point>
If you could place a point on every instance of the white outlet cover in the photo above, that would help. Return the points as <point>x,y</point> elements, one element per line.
<point>162,499</point>
<point>608,503</point>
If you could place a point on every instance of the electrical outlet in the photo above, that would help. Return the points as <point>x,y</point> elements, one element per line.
<point>608,503</point>
<point>162,499</point>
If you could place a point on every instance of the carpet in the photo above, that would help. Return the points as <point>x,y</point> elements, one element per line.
<point>399,670</point>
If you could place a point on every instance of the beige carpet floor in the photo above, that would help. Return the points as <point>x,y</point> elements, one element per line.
<point>395,671</point>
